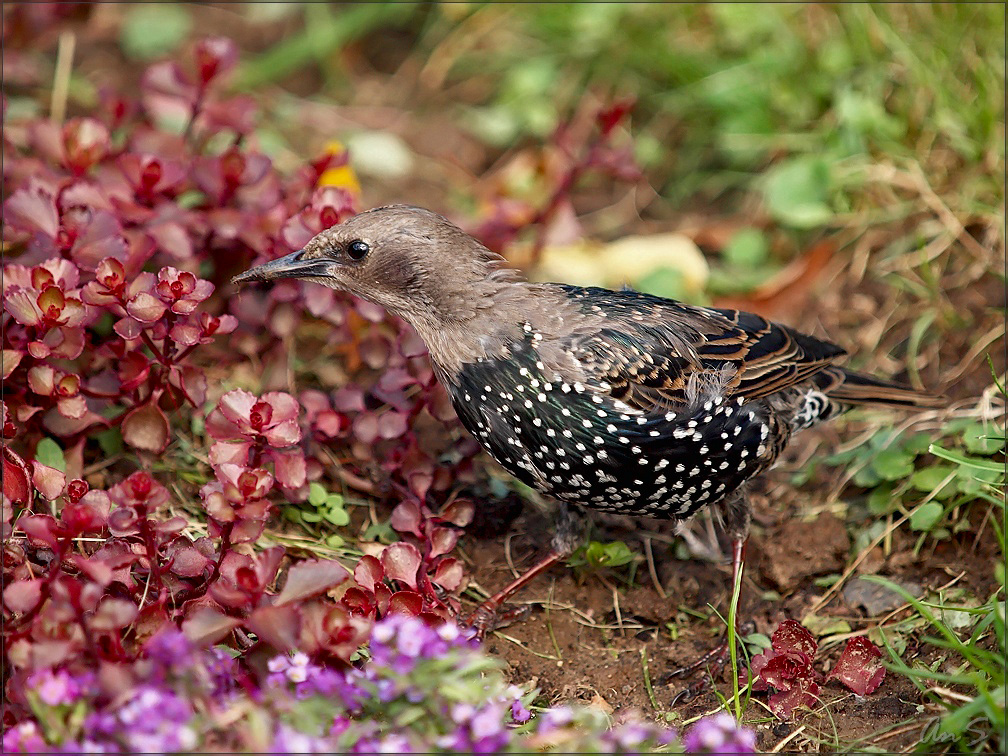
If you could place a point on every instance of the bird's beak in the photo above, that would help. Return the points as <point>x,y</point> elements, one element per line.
<point>289,266</point>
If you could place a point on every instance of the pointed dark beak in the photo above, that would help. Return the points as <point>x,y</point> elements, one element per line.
<point>289,266</point>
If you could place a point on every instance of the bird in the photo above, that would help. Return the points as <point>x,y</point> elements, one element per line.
<point>616,401</point>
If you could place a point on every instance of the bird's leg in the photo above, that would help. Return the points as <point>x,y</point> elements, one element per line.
<point>487,615</point>
<point>737,518</point>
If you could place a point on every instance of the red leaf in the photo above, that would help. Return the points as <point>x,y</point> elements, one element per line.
<point>186,560</point>
<point>805,692</point>
<point>16,478</point>
<point>859,666</point>
<point>290,467</point>
<point>97,570</point>
<point>39,528</point>
<point>146,427</point>
<point>406,518</point>
<point>443,540</point>
<point>49,481</point>
<point>460,512</point>
<point>146,308</point>
<point>449,574</point>
<point>113,614</point>
<point>401,562</point>
<point>358,601</point>
<point>22,595</point>
<point>206,626</point>
<point>382,594</point>
<point>30,210</point>
<point>405,602</point>
<point>791,636</point>
<point>787,668</point>
<point>277,625</point>
<point>368,572</point>
<point>310,578</point>
<point>392,424</point>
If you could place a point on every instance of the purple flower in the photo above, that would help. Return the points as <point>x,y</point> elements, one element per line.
<point>24,738</point>
<point>288,740</point>
<point>55,688</point>
<point>719,734</point>
<point>555,718</point>
<point>486,723</point>
<point>630,735</point>
<point>339,726</point>
<point>519,713</point>
<point>152,721</point>
<point>394,743</point>
<point>222,672</point>
<point>169,648</point>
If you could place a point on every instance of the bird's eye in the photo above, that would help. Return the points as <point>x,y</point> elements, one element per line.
<point>357,249</point>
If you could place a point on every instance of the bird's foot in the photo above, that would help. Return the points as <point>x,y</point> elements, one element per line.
<point>490,616</point>
<point>714,661</point>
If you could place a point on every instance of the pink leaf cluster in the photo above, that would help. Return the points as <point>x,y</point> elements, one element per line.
<point>415,576</point>
<point>786,668</point>
<point>250,430</point>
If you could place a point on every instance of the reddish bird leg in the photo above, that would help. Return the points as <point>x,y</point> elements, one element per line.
<point>488,615</point>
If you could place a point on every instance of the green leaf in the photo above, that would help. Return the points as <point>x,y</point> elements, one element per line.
<point>796,192</point>
<point>614,554</point>
<point>926,516</point>
<point>152,30</point>
<point>747,249</point>
<point>980,440</point>
<point>317,494</point>
<point>929,478</point>
<point>337,517</point>
<point>820,626</point>
<point>110,441</point>
<point>381,532</point>
<point>334,540</point>
<point>881,500</point>
<point>866,477</point>
<point>918,443</point>
<point>312,517</point>
<point>893,464</point>
<point>292,514</point>
<point>758,640</point>
<point>49,453</point>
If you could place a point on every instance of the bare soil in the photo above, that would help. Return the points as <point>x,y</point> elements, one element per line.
<point>602,638</point>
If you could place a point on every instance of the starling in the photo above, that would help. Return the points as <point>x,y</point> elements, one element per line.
<point>610,400</point>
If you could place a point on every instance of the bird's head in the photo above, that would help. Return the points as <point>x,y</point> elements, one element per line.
<point>412,262</point>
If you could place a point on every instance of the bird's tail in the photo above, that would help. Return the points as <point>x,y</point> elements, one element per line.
<point>851,388</point>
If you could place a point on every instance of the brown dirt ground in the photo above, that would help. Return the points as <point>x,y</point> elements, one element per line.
<point>589,636</point>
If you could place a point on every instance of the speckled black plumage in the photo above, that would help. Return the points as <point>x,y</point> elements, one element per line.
<point>583,446</point>
<point>648,431</point>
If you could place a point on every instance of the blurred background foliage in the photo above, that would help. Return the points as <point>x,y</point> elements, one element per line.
<point>804,118</point>
<point>788,99</point>
<point>724,91</point>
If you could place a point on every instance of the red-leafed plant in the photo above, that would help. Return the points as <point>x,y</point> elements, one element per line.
<point>120,228</point>
<point>786,668</point>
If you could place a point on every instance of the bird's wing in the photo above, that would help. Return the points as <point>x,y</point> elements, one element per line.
<point>650,351</point>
